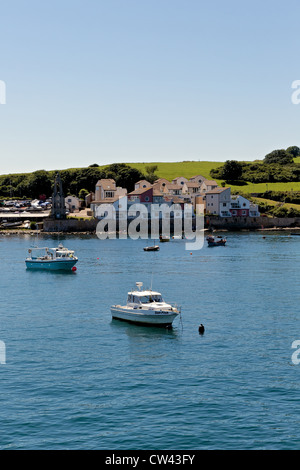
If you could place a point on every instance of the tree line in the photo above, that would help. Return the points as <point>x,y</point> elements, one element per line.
<point>277,166</point>
<point>77,181</point>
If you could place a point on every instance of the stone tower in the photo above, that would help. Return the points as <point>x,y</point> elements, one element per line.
<point>58,210</point>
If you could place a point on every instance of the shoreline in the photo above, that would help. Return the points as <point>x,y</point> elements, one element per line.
<point>6,232</point>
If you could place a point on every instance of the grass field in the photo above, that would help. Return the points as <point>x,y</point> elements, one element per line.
<point>186,169</point>
<point>189,169</point>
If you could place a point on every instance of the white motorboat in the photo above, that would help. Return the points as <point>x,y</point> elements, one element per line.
<point>146,307</point>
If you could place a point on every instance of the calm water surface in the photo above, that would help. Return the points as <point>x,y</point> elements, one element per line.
<point>75,379</point>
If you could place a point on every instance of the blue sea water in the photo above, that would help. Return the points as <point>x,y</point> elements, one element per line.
<point>76,379</point>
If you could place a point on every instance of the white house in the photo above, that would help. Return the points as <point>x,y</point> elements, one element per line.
<point>242,207</point>
<point>218,201</point>
<point>72,203</point>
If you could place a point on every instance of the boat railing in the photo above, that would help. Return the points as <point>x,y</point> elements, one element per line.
<point>175,305</point>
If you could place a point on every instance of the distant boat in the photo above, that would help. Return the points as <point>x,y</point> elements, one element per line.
<point>219,241</point>
<point>51,259</point>
<point>146,307</point>
<point>163,238</point>
<point>11,224</point>
<point>151,248</point>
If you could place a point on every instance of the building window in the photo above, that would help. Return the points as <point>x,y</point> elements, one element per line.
<point>109,193</point>
<point>147,198</point>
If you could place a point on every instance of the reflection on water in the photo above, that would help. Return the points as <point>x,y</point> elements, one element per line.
<point>145,342</point>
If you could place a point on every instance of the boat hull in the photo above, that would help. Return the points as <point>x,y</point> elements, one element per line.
<point>55,265</point>
<point>143,317</point>
<point>221,243</point>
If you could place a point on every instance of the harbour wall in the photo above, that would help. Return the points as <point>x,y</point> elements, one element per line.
<point>250,223</point>
<point>70,225</point>
<point>211,223</point>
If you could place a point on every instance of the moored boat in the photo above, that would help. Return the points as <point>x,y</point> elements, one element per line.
<point>52,259</point>
<point>151,248</point>
<point>146,307</point>
<point>164,238</point>
<point>219,241</point>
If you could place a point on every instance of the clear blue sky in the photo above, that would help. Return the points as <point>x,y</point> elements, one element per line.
<point>103,81</point>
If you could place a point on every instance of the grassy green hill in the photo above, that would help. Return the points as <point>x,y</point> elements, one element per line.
<point>189,169</point>
<point>186,169</point>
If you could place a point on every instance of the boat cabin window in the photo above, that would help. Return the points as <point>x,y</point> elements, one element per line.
<point>133,298</point>
<point>150,298</point>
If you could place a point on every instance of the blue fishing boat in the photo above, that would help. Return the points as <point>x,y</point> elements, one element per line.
<point>51,259</point>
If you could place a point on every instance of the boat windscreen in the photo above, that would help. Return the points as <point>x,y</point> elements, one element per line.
<point>145,299</point>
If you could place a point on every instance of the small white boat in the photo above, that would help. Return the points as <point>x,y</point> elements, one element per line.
<point>51,259</point>
<point>146,307</point>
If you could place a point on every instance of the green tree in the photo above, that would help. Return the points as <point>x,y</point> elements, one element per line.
<point>150,173</point>
<point>282,157</point>
<point>82,193</point>
<point>294,150</point>
<point>124,175</point>
<point>37,183</point>
<point>232,171</point>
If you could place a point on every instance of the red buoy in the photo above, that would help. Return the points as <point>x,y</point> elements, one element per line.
<point>74,269</point>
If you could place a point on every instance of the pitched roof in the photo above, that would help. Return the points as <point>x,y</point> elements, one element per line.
<point>143,181</point>
<point>179,177</point>
<point>216,190</point>
<point>107,184</point>
<point>139,191</point>
<point>173,186</point>
<point>161,180</point>
<point>210,183</point>
<point>198,176</point>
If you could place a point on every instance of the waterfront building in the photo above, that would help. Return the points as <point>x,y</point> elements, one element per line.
<point>218,201</point>
<point>242,207</point>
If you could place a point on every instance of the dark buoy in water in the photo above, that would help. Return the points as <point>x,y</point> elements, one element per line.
<point>201,329</point>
